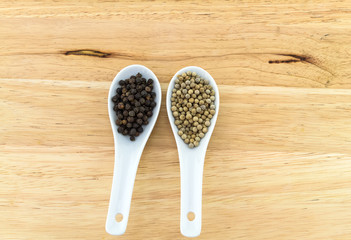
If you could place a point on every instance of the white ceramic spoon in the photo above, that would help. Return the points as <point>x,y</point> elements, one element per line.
<point>127,153</point>
<point>191,162</point>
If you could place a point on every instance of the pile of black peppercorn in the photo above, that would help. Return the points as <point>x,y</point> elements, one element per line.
<point>133,103</point>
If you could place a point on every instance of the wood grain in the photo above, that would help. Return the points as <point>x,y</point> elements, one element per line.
<point>278,164</point>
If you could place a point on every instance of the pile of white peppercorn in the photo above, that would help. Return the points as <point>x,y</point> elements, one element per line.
<point>193,107</point>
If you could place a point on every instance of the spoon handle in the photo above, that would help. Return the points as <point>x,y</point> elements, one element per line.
<point>191,170</point>
<point>126,165</point>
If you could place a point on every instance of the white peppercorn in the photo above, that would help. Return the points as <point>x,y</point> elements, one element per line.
<point>192,105</point>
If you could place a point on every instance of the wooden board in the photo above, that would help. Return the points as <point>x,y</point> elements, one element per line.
<point>279,162</point>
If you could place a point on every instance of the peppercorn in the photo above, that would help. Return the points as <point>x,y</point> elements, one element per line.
<point>132,132</point>
<point>134,103</point>
<point>192,105</point>
<point>139,121</point>
<point>130,119</point>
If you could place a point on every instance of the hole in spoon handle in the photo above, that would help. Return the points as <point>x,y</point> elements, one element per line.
<point>191,197</point>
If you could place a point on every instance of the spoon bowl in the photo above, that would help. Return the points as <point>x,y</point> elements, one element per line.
<point>191,162</point>
<point>127,153</point>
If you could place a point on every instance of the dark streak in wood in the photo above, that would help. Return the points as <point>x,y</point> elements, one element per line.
<point>88,52</point>
<point>300,58</point>
<point>284,61</point>
<point>296,58</point>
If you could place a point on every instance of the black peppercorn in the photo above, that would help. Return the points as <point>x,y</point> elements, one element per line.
<point>137,97</point>
<point>132,131</point>
<point>120,129</point>
<point>143,93</point>
<point>137,103</point>
<point>120,105</point>
<point>130,97</point>
<point>133,103</point>
<point>130,119</point>
<point>139,121</point>
<point>120,116</point>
